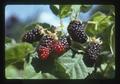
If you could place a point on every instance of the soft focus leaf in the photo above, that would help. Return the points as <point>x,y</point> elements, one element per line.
<point>8,40</point>
<point>52,67</point>
<point>11,72</point>
<point>75,11</point>
<point>32,26</point>
<point>64,11</point>
<point>85,8</point>
<point>61,10</point>
<point>32,71</point>
<point>43,76</point>
<point>55,9</point>
<point>101,20</point>
<point>76,8</point>
<point>16,52</point>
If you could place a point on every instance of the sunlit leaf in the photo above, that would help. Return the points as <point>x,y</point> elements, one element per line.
<point>65,11</point>
<point>101,20</point>
<point>75,11</point>
<point>75,67</point>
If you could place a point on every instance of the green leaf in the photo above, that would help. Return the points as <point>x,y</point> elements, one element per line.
<point>32,26</point>
<point>85,8</point>
<point>109,71</point>
<point>76,8</point>
<point>65,67</point>
<point>15,52</point>
<point>8,40</point>
<point>75,67</point>
<point>30,71</point>
<point>64,11</point>
<point>75,11</point>
<point>61,11</point>
<point>11,72</point>
<point>55,9</point>
<point>51,67</point>
<point>98,23</point>
<point>43,76</point>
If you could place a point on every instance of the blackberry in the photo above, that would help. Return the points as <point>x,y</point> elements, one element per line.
<point>61,45</point>
<point>47,41</point>
<point>58,48</point>
<point>92,52</point>
<point>33,35</point>
<point>76,31</point>
<point>43,53</point>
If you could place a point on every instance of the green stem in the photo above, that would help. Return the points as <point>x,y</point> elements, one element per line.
<point>61,25</point>
<point>111,34</point>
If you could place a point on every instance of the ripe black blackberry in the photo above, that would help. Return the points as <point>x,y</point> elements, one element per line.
<point>33,35</point>
<point>76,31</point>
<point>92,52</point>
<point>46,41</point>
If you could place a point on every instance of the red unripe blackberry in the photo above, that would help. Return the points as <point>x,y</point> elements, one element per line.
<point>77,32</point>
<point>43,53</point>
<point>91,53</point>
<point>33,35</point>
<point>62,45</point>
<point>46,41</point>
<point>58,47</point>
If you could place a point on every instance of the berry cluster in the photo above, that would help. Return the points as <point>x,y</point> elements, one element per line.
<point>76,31</point>
<point>46,41</point>
<point>50,45</point>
